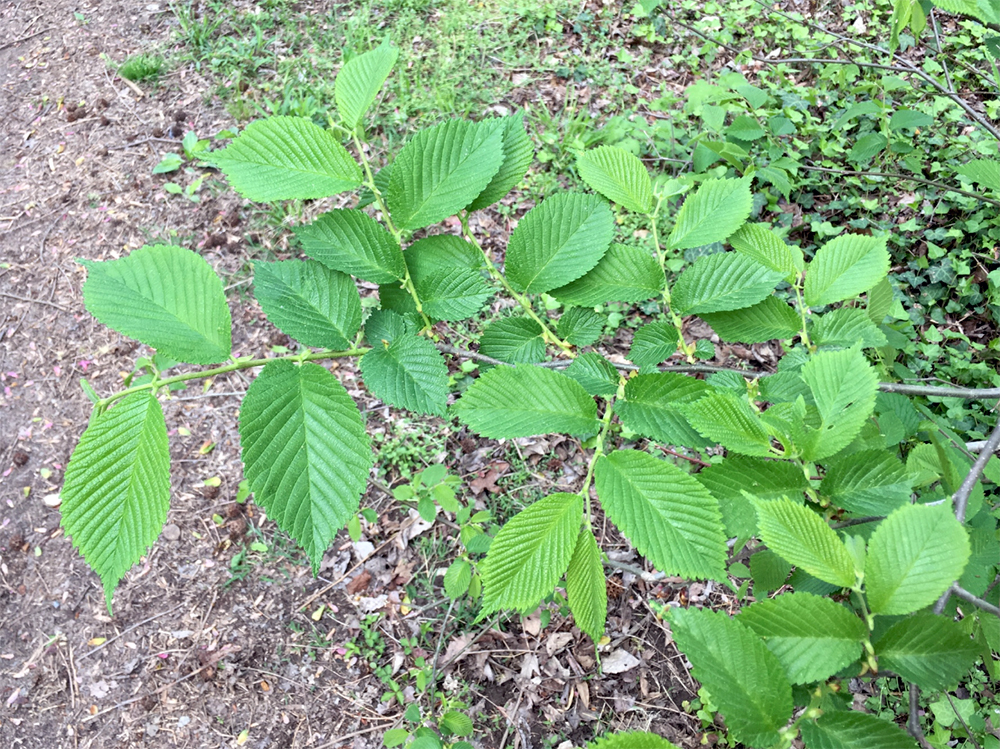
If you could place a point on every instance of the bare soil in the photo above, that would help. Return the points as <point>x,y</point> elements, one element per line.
<point>202,650</point>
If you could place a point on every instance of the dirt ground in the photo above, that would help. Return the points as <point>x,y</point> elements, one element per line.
<point>195,655</point>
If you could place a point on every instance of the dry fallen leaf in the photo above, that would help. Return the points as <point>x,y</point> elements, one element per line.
<point>619,662</point>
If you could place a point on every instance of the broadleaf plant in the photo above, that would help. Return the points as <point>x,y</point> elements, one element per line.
<point>793,469</point>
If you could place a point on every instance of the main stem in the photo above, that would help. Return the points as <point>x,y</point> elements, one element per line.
<point>237,364</point>
<point>370,184</point>
<point>661,257</point>
<point>547,333</point>
<point>609,404</point>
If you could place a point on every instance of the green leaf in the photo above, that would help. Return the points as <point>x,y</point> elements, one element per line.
<point>764,321</point>
<point>353,242</point>
<point>166,297</point>
<point>933,652</point>
<point>395,737</point>
<point>745,679</point>
<point>870,482</point>
<point>443,169</point>
<point>409,373</point>
<point>359,81</point>
<point>624,274</point>
<point>313,304</point>
<point>586,586</point>
<point>845,327</point>
<point>580,326</point>
<point>653,343</point>
<point>745,128</point>
<point>515,340</point>
<point>597,375</point>
<point>769,572</point>
<point>453,295</point>
<point>667,515</point>
<point>800,536</point>
<point>651,407</point>
<point>509,402</point>
<point>729,420</point>
<point>813,637</point>
<point>286,158</point>
<point>617,175</point>
<point>760,243</point>
<point>518,153</point>
<point>722,282</point>
<point>456,723</point>
<point>457,578</point>
<point>844,387</point>
<point>764,479</point>
<point>117,487</point>
<point>913,556</point>
<point>909,119</point>
<point>385,326</point>
<point>867,148</point>
<point>879,301</point>
<point>634,739</point>
<point>716,210</point>
<point>558,241</point>
<point>845,267</point>
<point>530,553</point>
<point>985,172</point>
<point>849,728</point>
<point>305,452</point>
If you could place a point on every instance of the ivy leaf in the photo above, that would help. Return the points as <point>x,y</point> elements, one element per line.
<point>845,267</point>
<point>624,274</point>
<point>117,487</point>
<point>518,153</point>
<point>745,679</point>
<point>651,407</point>
<point>597,375</point>
<point>913,556</point>
<point>311,303</point>
<point>353,242</point>
<point>558,241</point>
<point>870,482</point>
<point>409,373</point>
<point>664,512</point>
<point>443,169</point>
<point>305,452</point>
<point>812,636</point>
<point>509,402</point>
<point>586,586</point>
<point>166,297</point>
<point>800,536</point>
<point>764,321</point>
<point>842,728</point>
<point>722,282</point>
<point>515,340</point>
<point>716,210</point>
<point>286,158</point>
<point>933,652</point>
<point>844,387</point>
<point>617,175</point>
<point>729,420</point>
<point>530,553</point>
<point>653,343</point>
<point>580,326</point>
<point>359,81</point>
<point>760,243</point>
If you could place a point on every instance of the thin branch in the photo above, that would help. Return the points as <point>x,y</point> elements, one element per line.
<point>937,44</point>
<point>959,592</point>
<point>977,446</point>
<point>961,497</point>
<point>913,720</point>
<point>903,177</point>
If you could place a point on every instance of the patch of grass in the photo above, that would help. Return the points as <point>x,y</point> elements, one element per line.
<point>142,67</point>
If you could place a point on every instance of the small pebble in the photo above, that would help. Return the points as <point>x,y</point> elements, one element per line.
<point>171,532</point>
